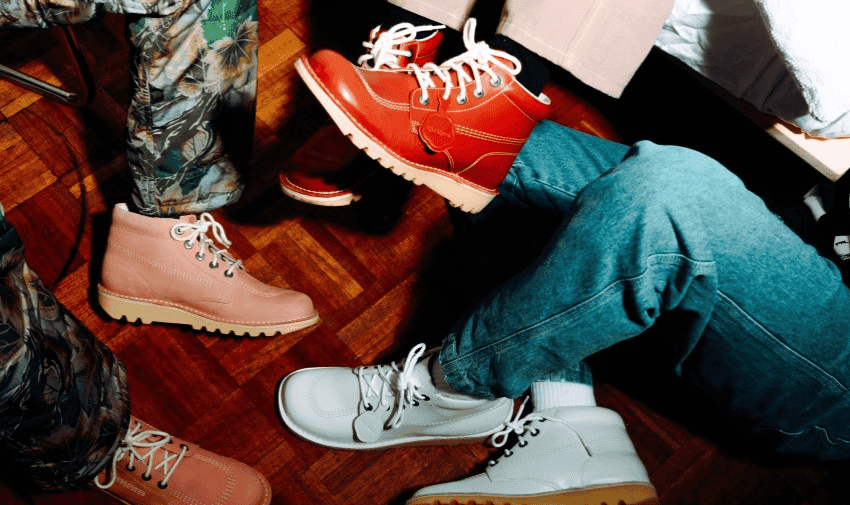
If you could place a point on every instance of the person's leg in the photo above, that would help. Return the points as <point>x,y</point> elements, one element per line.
<point>451,13</point>
<point>665,235</point>
<point>191,117</point>
<point>533,74</point>
<point>329,170</point>
<point>434,125</point>
<point>65,421</point>
<point>496,243</point>
<point>669,231</point>
<point>190,128</point>
<point>602,43</point>
<point>548,451</point>
<point>56,379</point>
<point>47,13</point>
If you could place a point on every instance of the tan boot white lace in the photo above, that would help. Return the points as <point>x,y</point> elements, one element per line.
<point>479,58</point>
<point>154,456</point>
<point>385,51</point>
<point>189,233</point>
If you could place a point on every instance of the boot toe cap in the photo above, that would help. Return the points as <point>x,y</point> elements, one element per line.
<point>320,404</point>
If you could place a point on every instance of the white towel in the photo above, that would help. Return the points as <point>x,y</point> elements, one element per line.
<point>813,37</point>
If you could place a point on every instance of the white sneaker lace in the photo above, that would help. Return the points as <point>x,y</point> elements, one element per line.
<point>378,382</point>
<point>517,426</point>
<point>189,232</point>
<point>384,50</point>
<point>136,439</point>
<point>478,58</point>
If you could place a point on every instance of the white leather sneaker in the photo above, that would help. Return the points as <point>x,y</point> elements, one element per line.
<point>384,406</point>
<point>565,456</point>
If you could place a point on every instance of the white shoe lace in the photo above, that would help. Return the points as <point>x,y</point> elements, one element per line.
<point>478,58</point>
<point>153,440</point>
<point>189,232</point>
<point>517,426</point>
<point>384,50</point>
<point>388,381</point>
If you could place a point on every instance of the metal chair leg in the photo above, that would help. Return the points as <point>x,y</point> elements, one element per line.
<point>70,98</point>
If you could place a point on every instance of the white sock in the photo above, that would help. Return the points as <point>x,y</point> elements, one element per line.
<point>547,395</point>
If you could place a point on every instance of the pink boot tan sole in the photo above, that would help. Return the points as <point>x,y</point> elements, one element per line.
<point>134,309</point>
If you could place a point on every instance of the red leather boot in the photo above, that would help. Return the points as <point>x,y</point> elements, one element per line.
<point>454,127</point>
<point>328,170</point>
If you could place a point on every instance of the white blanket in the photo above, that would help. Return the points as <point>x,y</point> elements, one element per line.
<point>813,38</point>
<point>728,41</point>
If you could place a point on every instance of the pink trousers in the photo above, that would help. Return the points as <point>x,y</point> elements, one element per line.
<point>601,42</point>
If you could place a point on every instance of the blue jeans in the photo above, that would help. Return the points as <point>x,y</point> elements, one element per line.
<point>622,238</point>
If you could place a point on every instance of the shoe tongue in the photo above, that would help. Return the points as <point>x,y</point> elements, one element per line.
<point>189,218</point>
<point>421,375</point>
<point>422,371</point>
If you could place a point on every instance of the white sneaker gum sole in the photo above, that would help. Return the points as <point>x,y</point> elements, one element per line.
<point>455,189</point>
<point>615,494</point>
<point>147,312</point>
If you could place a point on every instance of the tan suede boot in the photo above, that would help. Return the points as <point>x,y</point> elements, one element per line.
<point>151,467</point>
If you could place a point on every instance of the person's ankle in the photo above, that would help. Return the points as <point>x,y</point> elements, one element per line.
<point>534,73</point>
<point>546,395</point>
<point>396,15</point>
<point>438,377</point>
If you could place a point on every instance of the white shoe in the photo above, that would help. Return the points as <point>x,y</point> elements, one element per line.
<point>384,406</point>
<point>566,456</point>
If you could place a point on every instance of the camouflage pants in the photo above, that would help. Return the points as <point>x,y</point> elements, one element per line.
<point>64,405</point>
<point>194,72</point>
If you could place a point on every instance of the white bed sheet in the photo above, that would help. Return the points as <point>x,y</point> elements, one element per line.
<point>727,42</point>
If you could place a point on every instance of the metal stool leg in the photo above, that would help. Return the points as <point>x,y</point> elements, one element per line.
<point>72,99</point>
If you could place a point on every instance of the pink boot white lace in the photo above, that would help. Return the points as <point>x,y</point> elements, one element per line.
<point>170,271</point>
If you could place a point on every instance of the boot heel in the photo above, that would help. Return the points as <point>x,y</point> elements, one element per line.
<point>119,308</point>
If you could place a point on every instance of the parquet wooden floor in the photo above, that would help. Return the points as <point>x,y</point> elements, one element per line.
<point>382,272</point>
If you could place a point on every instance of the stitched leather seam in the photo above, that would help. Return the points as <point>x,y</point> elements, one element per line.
<point>519,108</point>
<point>366,132</point>
<point>489,136</point>
<point>469,132</point>
<point>486,155</point>
<point>260,293</point>
<point>389,104</point>
<point>471,415</point>
<point>159,267</point>
<point>228,490</point>
<point>380,100</point>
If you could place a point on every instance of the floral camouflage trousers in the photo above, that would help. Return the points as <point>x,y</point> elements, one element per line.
<point>194,72</point>
<point>64,405</point>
